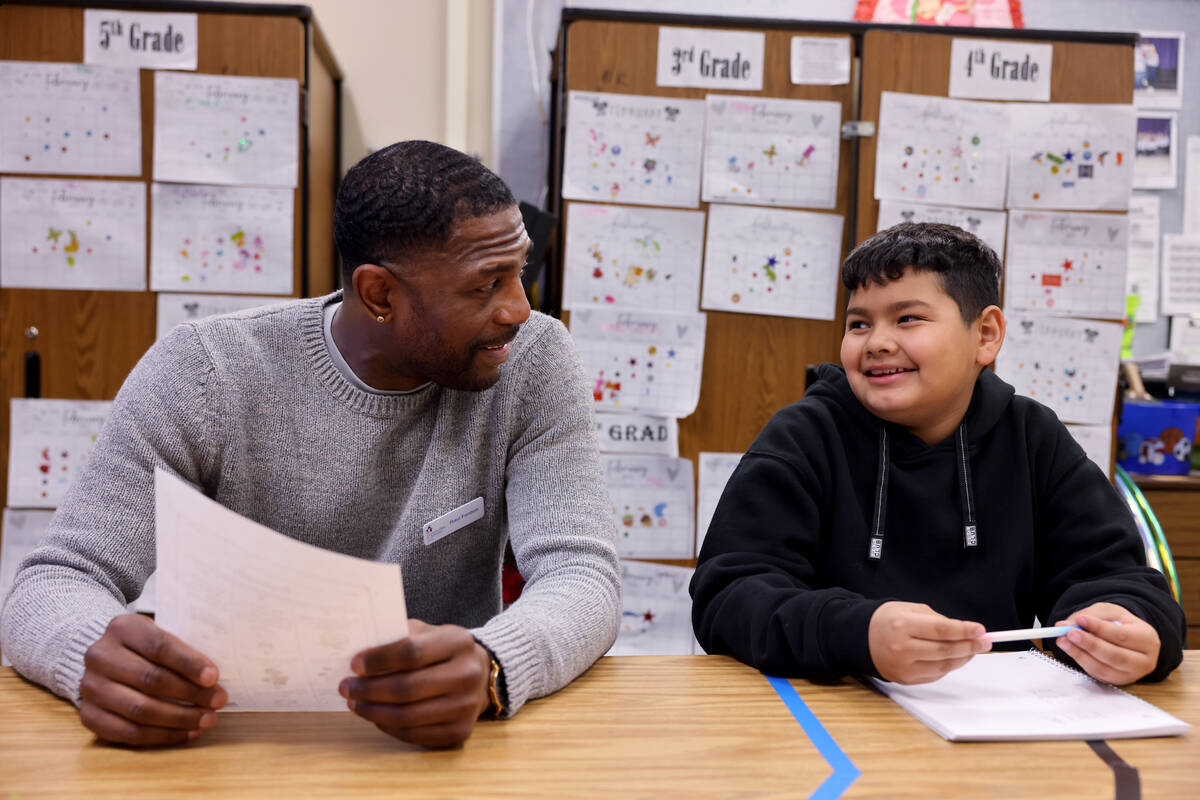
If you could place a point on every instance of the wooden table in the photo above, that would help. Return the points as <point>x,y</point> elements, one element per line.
<point>686,726</point>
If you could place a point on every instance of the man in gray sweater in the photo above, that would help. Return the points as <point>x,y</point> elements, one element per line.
<point>350,422</point>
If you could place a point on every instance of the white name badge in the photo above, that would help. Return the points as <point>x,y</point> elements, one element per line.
<point>451,521</point>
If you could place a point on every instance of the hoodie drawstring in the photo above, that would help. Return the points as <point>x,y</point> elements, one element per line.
<point>966,494</point>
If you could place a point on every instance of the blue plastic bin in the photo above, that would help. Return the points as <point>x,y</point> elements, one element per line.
<point>1155,437</point>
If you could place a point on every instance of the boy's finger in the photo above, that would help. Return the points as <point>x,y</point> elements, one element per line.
<point>944,629</point>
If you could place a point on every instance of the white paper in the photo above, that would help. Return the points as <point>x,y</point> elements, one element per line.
<point>1180,274</point>
<point>637,433</point>
<point>227,130</point>
<point>995,69</point>
<point>176,308</point>
<point>221,239</point>
<point>772,261</point>
<point>987,225</point>
<point>49,443</point>
<point>281,619</point>
<point>1154,165</point>
<point>656,611</point>
<point>70,119</point>
<point>1185,339</point>
<point>632,257</point>
<point>22,531</point>
<point>1096,441</point>
<point>1071,156</point>
<point>1069,365</point>
<point>1141,273</point>
<point>72,234</point>
<point>715,471</point>
<point>140,39</point>
<point>624,148</point>
<point>711,59</point>
<point>1191,187</point>
<point>942,151</point>
<point>641,360</point>
<point>768,151</point>
<point>820,60</point>
<point>1066,263</point>
<point>653,505</point>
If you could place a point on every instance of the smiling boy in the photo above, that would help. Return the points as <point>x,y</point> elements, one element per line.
<point>911,501</point>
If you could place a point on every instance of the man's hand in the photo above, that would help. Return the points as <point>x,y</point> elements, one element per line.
<point>429,688</point>
<point>912,643</point>
<point>142,686</point>
<point>1116,653</point>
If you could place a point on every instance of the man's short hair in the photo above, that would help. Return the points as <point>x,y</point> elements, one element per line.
<point>406,197</point>
<point>969,270</point>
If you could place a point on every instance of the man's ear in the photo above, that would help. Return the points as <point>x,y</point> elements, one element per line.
<point>990,327</point>
<point>374,284</point>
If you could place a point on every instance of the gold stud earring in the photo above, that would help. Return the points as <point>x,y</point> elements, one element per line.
<point>379,318</point>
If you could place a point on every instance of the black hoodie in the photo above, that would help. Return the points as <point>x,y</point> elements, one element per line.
<point>833,511</point>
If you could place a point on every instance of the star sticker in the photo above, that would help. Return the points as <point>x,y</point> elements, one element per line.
<point>53,235</point>
<point>1067,265</point>
<point>1067,156</point>
<point>770,153</point>
<point>648,616</point>
<point>772,261</point>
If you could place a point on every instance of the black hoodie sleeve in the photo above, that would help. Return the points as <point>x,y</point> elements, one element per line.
<point>755,594</point>
<point>1092,552</point>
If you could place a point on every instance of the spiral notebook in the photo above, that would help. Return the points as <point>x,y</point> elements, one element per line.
<point>1028,696</point>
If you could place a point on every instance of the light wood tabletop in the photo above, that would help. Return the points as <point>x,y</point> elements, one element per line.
<point>683,726</point>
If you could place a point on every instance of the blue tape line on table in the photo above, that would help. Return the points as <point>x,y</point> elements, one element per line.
<point>844,772</point>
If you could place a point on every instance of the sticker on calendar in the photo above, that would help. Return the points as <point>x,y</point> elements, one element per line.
<point>451,521</point>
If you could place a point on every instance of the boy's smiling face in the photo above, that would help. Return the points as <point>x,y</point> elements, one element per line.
<point>910,358</point>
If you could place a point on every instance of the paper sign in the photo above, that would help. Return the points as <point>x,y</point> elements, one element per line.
<point>1180,273</point>
<point>50,443</point>
<point>987,225</point>
<point>653,505</point>
<point>711,59</point>
<point>991,69</point>
<point>715,471</point>
<point>139,39</point>
<point>656,611</point>
<point>821,60</point>
<point>1141,274</point>
<point>637,433</point>
<point>1185,339</point>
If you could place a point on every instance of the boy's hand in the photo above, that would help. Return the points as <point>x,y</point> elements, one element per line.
<point>428,688</point>
<point>912,643</point>
<point>1107,651</point>
<point>142,686</point>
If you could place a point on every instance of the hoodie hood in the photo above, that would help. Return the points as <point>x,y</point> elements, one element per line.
<point>990,399</point>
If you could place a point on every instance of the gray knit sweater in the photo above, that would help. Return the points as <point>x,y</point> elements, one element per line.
<point>251,408</point>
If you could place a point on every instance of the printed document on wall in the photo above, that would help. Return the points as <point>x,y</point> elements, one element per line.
<point>1071,156</point>
<point>656,611</point>
<point>772,261</point>
<point>631,257</point>
<point>221,239</point>
<point>1141,273</point>
<point>641,360</point>
<point>1096,441</point>
<point>987,225</point>
<point>941,151</point>
<point>653,505</point>
<point>72,234</point>
<point>176,308</point>
<point>715,471</point>
<point>1069,365</point>
<point>1180,273</point>
<point>227,130</point>
<point>624,148</point>
<point>769,151</point>
<point>280,617</point>
<point>70,119</point>
<point>49,443</point>
<point>1066,263</point>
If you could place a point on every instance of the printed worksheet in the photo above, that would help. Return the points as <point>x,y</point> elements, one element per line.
<point>281,617</point>
<point>72,234</point>
<point>770,151</point>
<point>49,444</point>
<point>1141,272</point>
<point>772,261</point>
<point>70,119</point>
<point>227,130</point>
<point>941,151</point>
<point>623,148</point>
<point>1071,156</point>
<point>1067,264</point>
<point>1185,340</point>
<point>987,225</point>
<point>653,505</point>
<point>637,433</point>
<point>656,611</point>
<point>1180,274</point>
<point>1096,441</point>
<point>176,308</point>
<point>632,257</point>
<point>1069,365</point>
<point>641,360</point>
<point>220,239</point>
<point>23,529</point>
<point>715,470</point>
